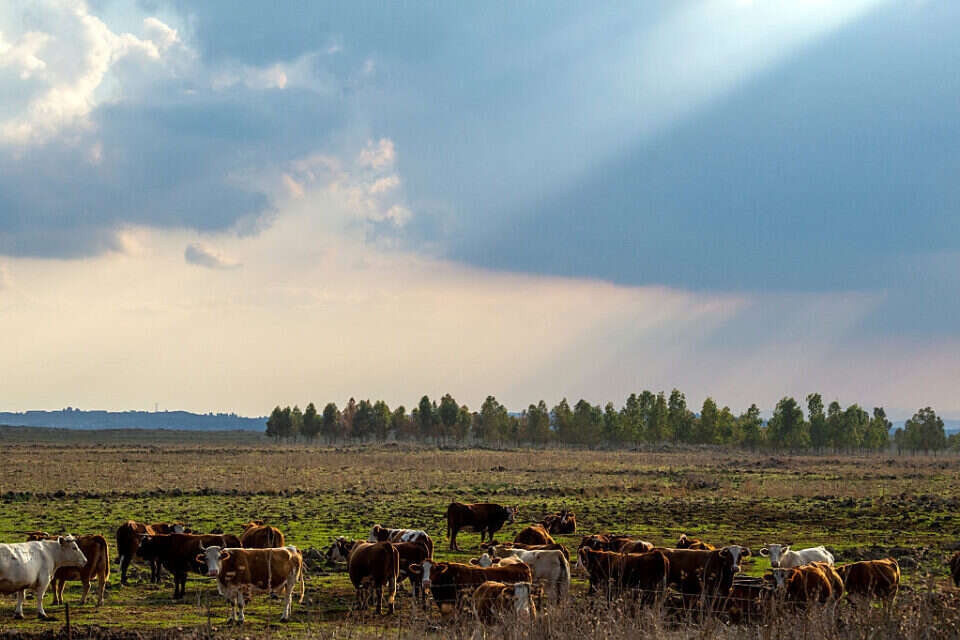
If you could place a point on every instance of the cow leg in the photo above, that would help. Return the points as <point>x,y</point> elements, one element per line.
<point>86,590</point>
<point>101,585</point>
<point>288,605</point>
<point>58,586</point>
<point>453,539</point>
<point>18,611</point>
<point>39,592</point>
<point>155,571</point>
<point>124,565</point>
<point>379,596</point>
<point>240,603</point>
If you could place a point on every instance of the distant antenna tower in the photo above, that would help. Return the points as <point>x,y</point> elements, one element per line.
<point>156,406</point>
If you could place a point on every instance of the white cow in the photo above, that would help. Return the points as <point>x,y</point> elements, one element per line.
<point>783,557</point>
<point>549,568</point>
<point>31,565</point>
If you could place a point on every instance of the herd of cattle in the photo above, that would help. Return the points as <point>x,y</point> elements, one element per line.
<point>507,577</point>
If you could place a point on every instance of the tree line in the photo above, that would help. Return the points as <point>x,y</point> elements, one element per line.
<point>645,418</point>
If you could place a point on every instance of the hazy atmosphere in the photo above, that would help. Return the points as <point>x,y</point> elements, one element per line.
<point>212,207</point>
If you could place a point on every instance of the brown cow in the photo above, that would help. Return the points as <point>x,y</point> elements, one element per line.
<point>699,572</point>
<point>836,581</point>
<point>128,543</point>
<point>802,584</point>
<point>607,541</point>
<point>250,571</point>
<point>257,535</point>
<point>495,600</point>
<point>484,517</point>
<point>880,578</point>
<point>534,534</point>
<point>412,553</point>
<point>450,581</point>
<point>693,543</point>
<point>369,563</point>
<point>645,573</point>
<point>560,523</point>
<point>634,546</point>
<point>177,552</point>
<point>94,547</point>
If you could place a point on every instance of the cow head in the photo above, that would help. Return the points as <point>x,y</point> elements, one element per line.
<point>70,553</point>
<point>486,560</point>
<point>178,527</point>
<point>340,550</point>
<point>512,513</point>
<point>430,571</point>
<point>211,557</point>
<point>781,576</point>
<point>523,599</point>
<point>775,552</point>
<point>377,534</point>
<point>736,554</point>
<point>38,535</point>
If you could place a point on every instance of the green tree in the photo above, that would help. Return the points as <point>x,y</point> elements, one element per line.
<point>855,422</point>
<point>787,428</point>
<point>612,424</point>
<point>877,436</point>
<point>447,413</point>
<point>726,426</point>
<point>311,424</point>
<point>464,421</point>
<point>819,433</point>
<point>561,418</point>
<point>363,421</point>
<point>425,418</point>
<point>657,427</point>
<point>750,426</point>
<point>381,420</point>
<point>330,425</point>
<point>708,428</point>
<point>538,423</point>
<point>274,422</point>
<point>494,423</point>
<point>588,423</point>
<point>286,423</point>
<point>631,419</point>
<point>402,425</point>
<point>679,418</point>
<point>834,425</point>
<point>924,431</point>
<point>346,419</point>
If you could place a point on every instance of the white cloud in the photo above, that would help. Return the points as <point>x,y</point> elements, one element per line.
<point>377,155</point>
<point>22,55</point>
<point>204,255</point>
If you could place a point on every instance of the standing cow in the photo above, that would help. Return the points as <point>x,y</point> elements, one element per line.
<point>257,535</point>
<point>483,517</point>
<point>97,566</point>
<point>129,535</point>
<point>250,571</point>
<point>375,564</point>
<point>177,552</point>
<point>31,565</point>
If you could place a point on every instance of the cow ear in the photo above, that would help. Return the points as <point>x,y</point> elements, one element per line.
<point>60,540</point>
<point>745,552</point>
<point>416,569</point>
<point>224,555</point>
<point>764,552</point>
<point>200,558</point>
<point>475,562</point>
<point>786,547</point>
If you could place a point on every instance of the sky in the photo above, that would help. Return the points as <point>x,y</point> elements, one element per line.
<point>224,207</point>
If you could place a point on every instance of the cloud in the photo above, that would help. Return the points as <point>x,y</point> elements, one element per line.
<point>206,256</point>
<point>377,155</point>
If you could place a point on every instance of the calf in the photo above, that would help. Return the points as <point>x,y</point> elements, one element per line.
<point>31,565</point>
<point>534,534</point>
<point>484,517</point>
<point>177,552</point>
<point>500,549</point>
<point>645,573</point>
<point>783,556</point>
<point>549,568</point>
<point>495,600</point>
<point>693,543</point>
<point>250,571</point>
<point>560,523</point>
<point>383,534</point>
<point>128,543</point>
<point>871,578</point>
<point>804,584</point>
<point>95,549</point>
<point>370,563</point>
<point>450,581</point>
<point>257,535</point>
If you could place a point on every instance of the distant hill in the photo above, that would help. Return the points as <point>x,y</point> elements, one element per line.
<point>183,420</point>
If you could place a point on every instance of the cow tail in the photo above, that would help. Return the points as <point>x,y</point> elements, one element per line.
<point>303,587</point>
<point>394,572</point>
<point>448,521</point>
<point>105,548</point>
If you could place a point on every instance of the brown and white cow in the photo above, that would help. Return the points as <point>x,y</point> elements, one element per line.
<point>550,569</point>
<point>257,535</point>
<point>449,582</point>
<point>483,517</point>
<point>611,572</point>
<point>560,523</point>
<point>500,549</point>
<point>871,578</point>
<point>94,547</point>
<point>495,601</point>
<point>375,564</point>
<point>245,572</point>
<point>31,565</point>
<point>534,534</point>
<point>804,584</point>
<point>177,552</point>
<point>383,534</point>
<point>129,535</point>
<point>693,543</point>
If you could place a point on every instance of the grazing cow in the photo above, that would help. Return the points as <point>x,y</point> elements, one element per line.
<point>484,517</point>
<point>699,572</point>
<point>495,600</point>
<point>833,577</point>
<point>607,541</point>
<point>549,568</point>
<point>242,572</point>
<point>693,543</point>
<point>534,534</point>
<point>97,566</point>
<point>128,543</point>
<point>450,581</point>
<point>646,573</point>
<point>31,565</point>
<point>803,584</point>
<point>783,557</point>
<point>383,534</point>
<point>955,568</point>
<point>257,535</point>
<point>560,523</point>
<point>879,578</point>
<point>499,549</point>
<point>177,552</point>
<point>370,563</point>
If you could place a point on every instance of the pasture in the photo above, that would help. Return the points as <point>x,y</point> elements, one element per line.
<point>860,507</point>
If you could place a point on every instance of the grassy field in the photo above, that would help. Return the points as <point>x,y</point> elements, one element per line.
<point>861,507</point>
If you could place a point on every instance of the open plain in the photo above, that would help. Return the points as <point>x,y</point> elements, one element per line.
<point>861,507</point>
